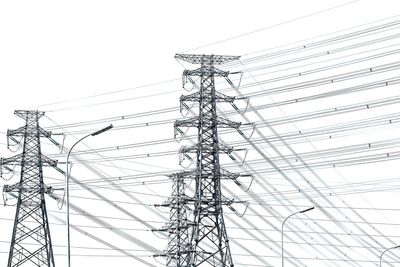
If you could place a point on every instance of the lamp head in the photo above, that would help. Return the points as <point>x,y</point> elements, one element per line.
<point>303,211</point>
<point>102,130</point>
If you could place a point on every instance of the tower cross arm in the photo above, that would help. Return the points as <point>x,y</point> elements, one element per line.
<point>46,161</point>
<point>219,97</point>
<point>17,132</point>
<point>24,113</point>
<point>190,174</point>
<point>17,188</point>
<point>206,59</point>
<point>192,122</point>
<point>206,70</point>
<point>14,160</point>
<point>21,131</point>
<point>17,160</point>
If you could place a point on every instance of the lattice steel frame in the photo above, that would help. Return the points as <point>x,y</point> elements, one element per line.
<point>31,242</point>
<point>209,239</point>
<point>177,252</point>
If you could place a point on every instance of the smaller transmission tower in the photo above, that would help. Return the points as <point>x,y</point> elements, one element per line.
<point>177,252</point>
<point>31,242</point>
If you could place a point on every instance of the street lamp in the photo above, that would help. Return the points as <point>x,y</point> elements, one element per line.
<point>283,223</point>
<point>67,186</point>
<point>380,257</point>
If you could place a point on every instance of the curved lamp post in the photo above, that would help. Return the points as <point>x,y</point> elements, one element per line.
<point>380,257</point>
<point>67,187</point>
<point>283,223</point>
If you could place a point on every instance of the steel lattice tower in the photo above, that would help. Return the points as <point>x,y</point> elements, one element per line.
<point>177,252</point>
<point>31,242</point>
<point>208,239</point>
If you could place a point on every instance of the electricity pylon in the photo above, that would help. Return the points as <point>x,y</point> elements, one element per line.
<point>209,244</point>
<point>177,252</point>
<point>31,242</point>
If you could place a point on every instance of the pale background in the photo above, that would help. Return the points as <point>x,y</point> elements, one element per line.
<point>88,60</point>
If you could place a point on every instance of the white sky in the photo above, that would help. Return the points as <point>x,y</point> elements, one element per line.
<point>54,51</point>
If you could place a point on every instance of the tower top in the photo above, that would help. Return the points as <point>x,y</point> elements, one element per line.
<point>206,59</point>
<point>23,113</point>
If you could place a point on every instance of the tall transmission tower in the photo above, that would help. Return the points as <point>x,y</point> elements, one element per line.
<point>209,244</point>
<point>31,242</point>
